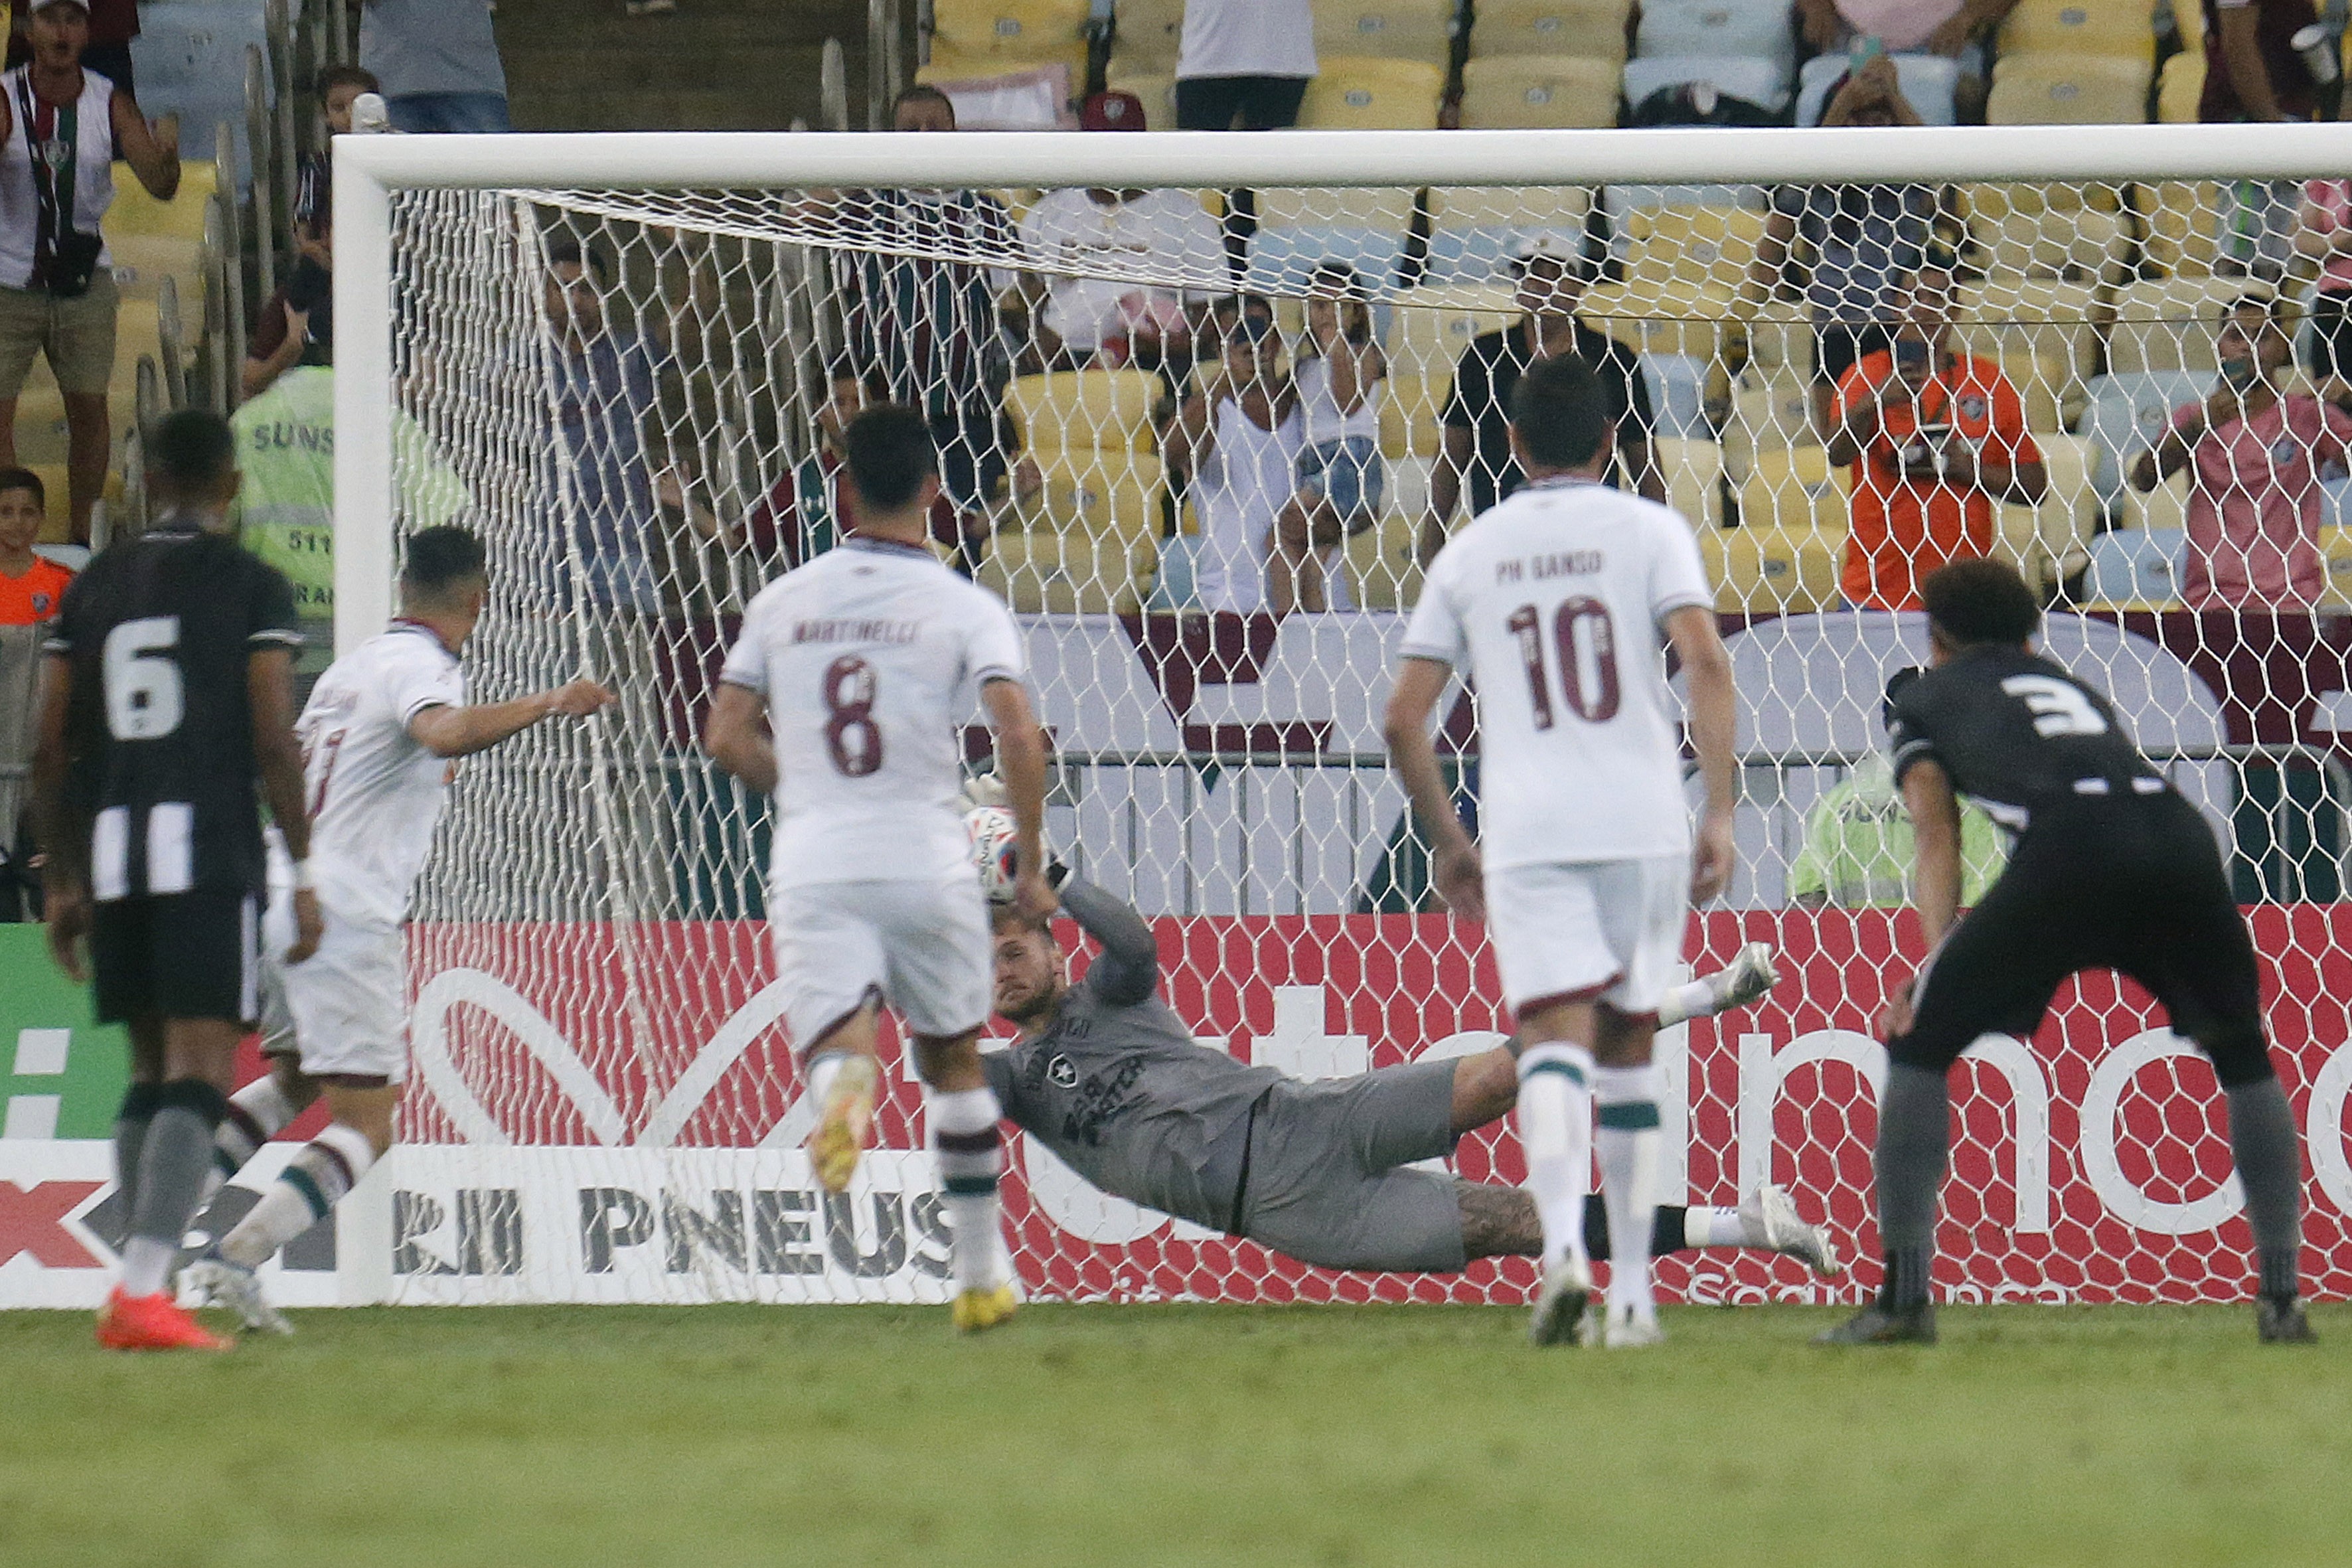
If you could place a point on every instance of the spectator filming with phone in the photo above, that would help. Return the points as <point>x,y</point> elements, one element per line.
<point>2255,453</point>
<point>1937,437</point>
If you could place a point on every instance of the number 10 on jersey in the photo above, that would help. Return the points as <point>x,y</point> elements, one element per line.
<point>1587,640</point>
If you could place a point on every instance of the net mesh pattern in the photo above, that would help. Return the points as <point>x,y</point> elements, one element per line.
<point>634,389</point>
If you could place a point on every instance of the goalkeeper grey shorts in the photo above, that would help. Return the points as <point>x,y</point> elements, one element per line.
<point>1323,1183</point>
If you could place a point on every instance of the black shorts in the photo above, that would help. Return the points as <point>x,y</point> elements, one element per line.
<point>1836,348</point>
<point>1257,102</point>
<point>2331,338</point>
<point>2123,882</point>
<point>185,955</point>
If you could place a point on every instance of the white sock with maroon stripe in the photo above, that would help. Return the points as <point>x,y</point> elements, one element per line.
<point>256,1114</point>
<point>1628,1146</point>
<point>312,1183</point>
<point>970,1152</point>
<point>1555,1130</point>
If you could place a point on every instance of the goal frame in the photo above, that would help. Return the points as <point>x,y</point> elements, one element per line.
<point>368,169</point>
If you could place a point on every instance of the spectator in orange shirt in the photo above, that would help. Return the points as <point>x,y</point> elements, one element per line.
<point>1936,437</point>
<point>30,585</point>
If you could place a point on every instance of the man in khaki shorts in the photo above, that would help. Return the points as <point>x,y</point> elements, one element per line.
<point>61,128</point>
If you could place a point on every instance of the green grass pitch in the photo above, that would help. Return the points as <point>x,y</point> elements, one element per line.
<point>1108,1435</point>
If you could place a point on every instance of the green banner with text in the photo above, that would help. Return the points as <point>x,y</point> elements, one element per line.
<point>61,1074</point>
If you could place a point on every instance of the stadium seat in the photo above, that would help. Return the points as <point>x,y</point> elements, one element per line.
<point>1390,29</point>
<point>2123,28</point>
<point>1693,471</point>
<point>1386,207</point>
<point>1929,83</point>
<point>2179,87</point>
<point>2336,550</point>
<point>1537,92</point>
<point>2045,541</point>
<point>2019,232</point>
<point>1042,572</point>
<point>1769,414</point>
<point>1476,230</point>
<point>2164,506</point>
<point>2125,416</point>
<point>1634,317</point>
<point>1080,410</point>
<point>1381,566</point>
<point>1679,255</point>
<point>135,212</point>
<point>1506,29</point>
<point>1774,571</point>
<point>991,37</point>
<point>1409,413</point>
<point>2068,89</point>
<point>2134,569</point>
<point>1431,326</point>
<point>1354,92</point>
<point>2182,220</point>
<point>1150,34</point>
<point>2041,318</point>
<point>2168,323</point>
<point>1753,30</point>
<point>1766,83</point>
<point>1795,489</point>
<point>1282,259</point>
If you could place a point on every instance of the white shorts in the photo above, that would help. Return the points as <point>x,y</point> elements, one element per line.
<point>343,1009</point>
<point>922,947</point>
<point>1602,930</point>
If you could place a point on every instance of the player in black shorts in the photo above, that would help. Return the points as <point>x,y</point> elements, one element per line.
<point>168,693</point>
<point>2112,871</point>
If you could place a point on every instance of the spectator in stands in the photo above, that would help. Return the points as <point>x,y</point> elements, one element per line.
<point>606,382</point>
<point>1244,65</point>
<point>30,585</point>
<point>314,181</point>
<point>1862,240</point>
<point>1236,442</point>
<point>1478,451</point>
<point>1937,437</point>
<point>2253,73</point>
<point>1102,320</point>
<point>438,62</point>
<point>297,325</point>
<point>1960,30</point>
<point>807,511</point>
<point>928,325</point>
<point>2255,453</point>
<point>31,588</point>
<point>1341,478</point>
<point>112,24</point>
<point>61,128</point>
<point>2324,235</point>
<point>1858,850</point>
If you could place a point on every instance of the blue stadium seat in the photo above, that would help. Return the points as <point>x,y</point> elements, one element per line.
<point>1763,82</point>
<point>2125,416</point>
<point>1483,254</point>
<point>1678,385</point>
<point>1929,82</point>
<point>2135,567</point>
<point>1757,30</point>
<point>1281,259</point>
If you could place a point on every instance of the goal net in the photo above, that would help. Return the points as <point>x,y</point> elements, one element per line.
<point>630,351</point>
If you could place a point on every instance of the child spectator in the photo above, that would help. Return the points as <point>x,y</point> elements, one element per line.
<point>1341,479</point>
<point>339,87</point>
<point>30,585</point>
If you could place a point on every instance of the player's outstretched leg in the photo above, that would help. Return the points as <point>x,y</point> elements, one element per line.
<point>1915,1131</point>
<point>1745,979</point>
<point>1556,1128</point>
<point>305,1193</point>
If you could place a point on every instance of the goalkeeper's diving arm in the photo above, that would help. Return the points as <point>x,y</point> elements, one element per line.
<point>1127,970</point>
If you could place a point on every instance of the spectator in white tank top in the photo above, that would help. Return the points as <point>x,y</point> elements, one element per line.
<point>1341,479</point>
<point>1236,442</point>
<point>61,129</point>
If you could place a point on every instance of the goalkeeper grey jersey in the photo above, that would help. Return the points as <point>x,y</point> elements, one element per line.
<point>1117,1088</point>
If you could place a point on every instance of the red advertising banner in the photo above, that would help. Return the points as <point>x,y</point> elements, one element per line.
<point>2090,1163</point>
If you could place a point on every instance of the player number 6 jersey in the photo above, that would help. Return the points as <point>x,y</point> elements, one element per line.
<point>1550,603</point>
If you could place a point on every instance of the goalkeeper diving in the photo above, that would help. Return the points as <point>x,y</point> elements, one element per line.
<point>1106,1074</point>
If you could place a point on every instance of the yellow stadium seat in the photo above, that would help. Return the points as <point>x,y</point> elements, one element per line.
<point>986,37</point>
<point>2041,318</point>
<point>2036,239</point>
<point>1509,29</point>
<point>1770,413</point>
<point>2068,89</point>
<point>1637,315</point>
<point>2124,28</point>
<point>1390,29</point>
<point>1681,255</point>
<point>1353,206</point>
<point>2169,323</point>
<point>1538,92</point>
<point>2045,541</point>
<point>2336,549</point>
<point>1108,494</point>
<point>1084,410</point>
<point>1429,327</point>
<point>1560,208</point>
<point>2167,506</point>
<point>1149,36</point>
<point>1774,571</point>
<point>1381,564</point>
<point>1795,488</point>
<point>2180,89</point>
<point>1410,415</point>
<point>1158,92</point>
<point>2183,222</point>
<point>1693,472</point>
<point>1044,572</point>
<point>141,262</point>
<point>1355,93</point>
<point>181,217</point>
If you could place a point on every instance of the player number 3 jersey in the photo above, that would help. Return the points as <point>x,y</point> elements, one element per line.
<point>1550,602</point>
<point>868,658</point>
<point>375,792</point>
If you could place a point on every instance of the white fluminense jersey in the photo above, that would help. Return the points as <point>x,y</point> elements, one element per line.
<point>866,658</point>
<point>374,792</point>
<point>1550,603</point>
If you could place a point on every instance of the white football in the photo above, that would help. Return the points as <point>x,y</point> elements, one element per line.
<point>993,840</point>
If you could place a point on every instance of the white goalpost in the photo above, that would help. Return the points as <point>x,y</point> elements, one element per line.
<point>603,1106</point>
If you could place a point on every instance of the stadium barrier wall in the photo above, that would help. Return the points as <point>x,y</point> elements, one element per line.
<point>2090,1164</point>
